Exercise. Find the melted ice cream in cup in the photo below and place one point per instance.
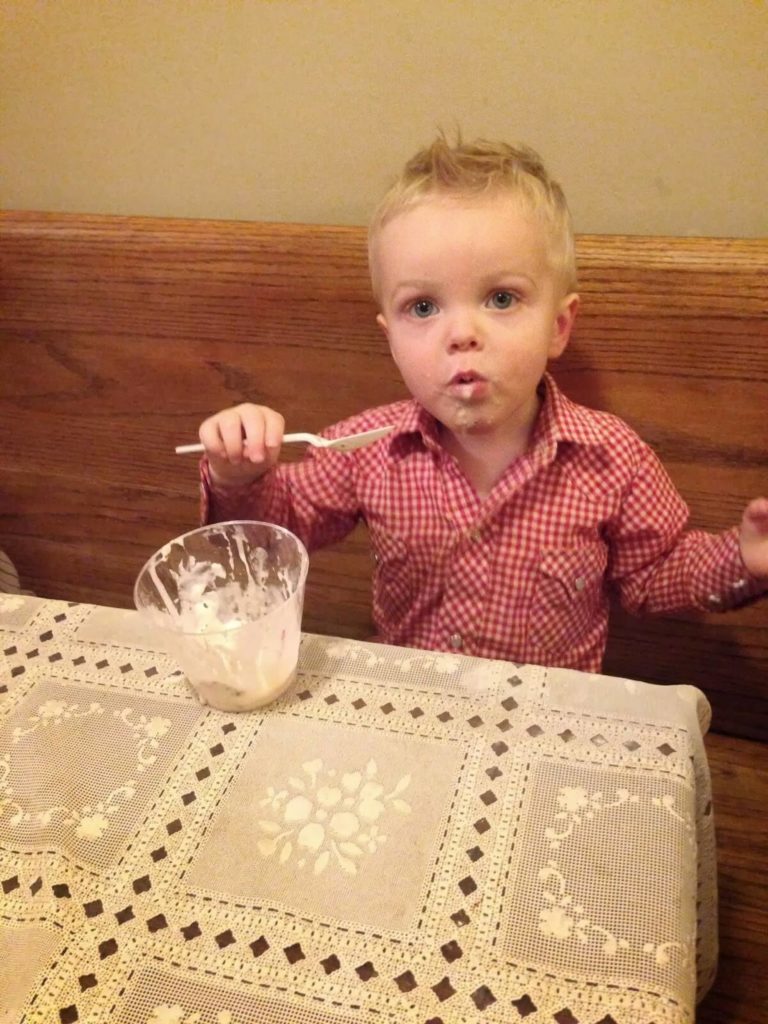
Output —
(227, 601)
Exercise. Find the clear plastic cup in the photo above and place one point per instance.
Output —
(227, 601)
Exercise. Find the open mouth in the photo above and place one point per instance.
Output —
(468, 386)
(466, 377)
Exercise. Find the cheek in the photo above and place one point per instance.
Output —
(416, 357)
(413, 366)
(405, 351)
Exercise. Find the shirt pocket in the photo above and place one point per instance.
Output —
(568, 595)
(393, 574)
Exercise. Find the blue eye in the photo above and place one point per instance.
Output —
(423, 308)
(502, 300)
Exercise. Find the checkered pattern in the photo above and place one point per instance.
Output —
(525, 575)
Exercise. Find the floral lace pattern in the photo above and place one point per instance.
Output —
(404, 835)
(442, 664)
(563, 918)
(329, 819)
(597, 839)
(89, 821)
(577, 807)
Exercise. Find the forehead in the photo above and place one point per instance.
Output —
(439, 229)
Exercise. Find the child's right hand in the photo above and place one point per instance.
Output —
(242, 443)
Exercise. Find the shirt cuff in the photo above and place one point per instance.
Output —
(727, 583)
(222, 504)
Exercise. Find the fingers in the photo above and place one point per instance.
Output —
(263, 430)
(243, 441)
(756, 514)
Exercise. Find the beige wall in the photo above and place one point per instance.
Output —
(652, 112)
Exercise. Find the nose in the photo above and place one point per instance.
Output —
(463, 334)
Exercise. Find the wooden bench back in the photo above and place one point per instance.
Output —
(119, 335)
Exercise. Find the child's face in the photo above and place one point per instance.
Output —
(472, 309)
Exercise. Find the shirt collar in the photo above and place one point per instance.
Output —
(416, 428)
(560, 419)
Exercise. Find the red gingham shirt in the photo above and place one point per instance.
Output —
(524, 575)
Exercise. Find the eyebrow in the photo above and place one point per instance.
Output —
(422, 284)
(414, 284)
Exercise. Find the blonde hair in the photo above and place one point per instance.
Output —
(481, 168)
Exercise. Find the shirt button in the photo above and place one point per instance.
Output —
(740, 584)
(579, 583)
(475, 534)
(456, 641)
(714, 600)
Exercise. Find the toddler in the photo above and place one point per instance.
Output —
(501, 514)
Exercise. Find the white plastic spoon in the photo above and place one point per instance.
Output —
(339, 444)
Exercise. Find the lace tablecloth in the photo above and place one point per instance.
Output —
(404, 837)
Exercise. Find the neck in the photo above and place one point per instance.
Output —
(484, 458)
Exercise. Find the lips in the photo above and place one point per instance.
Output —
(466, 377)
(468, 386)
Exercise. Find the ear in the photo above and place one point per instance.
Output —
(563, 325)
(381, 320)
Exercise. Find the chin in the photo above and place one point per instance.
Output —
(466, 420)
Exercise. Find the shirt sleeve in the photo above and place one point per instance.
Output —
(658, 566)
(315, 499)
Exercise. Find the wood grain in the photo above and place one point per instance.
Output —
(118, 335)
(739, 771)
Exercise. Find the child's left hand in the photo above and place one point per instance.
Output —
(753, 537)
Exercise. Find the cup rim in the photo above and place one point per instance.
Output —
(229, 522)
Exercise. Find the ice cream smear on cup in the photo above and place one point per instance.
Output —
(232, 620)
